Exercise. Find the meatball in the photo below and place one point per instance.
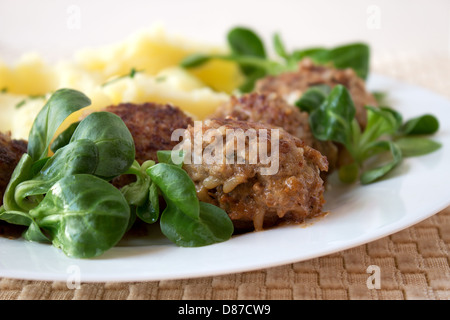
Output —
(10, 153)
(274, 110)
(292, 85)
(253, 197)
(151, 126)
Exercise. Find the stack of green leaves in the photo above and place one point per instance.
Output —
(186, 221)
(67, 198)
(332, 118)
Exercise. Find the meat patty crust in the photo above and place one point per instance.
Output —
(10, 153)
(151, 126)
(273, 110)
(252, 199)
(291, 85)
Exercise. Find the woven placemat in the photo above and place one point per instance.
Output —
(410, 264)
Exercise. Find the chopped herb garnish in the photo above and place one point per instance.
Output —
(131, 75)
(31, 97)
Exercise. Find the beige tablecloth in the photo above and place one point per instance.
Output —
(414, 263)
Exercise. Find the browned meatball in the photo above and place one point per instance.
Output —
(252, 197)
(292, 85)
(151, 126)
(10, 153)
(274, 110)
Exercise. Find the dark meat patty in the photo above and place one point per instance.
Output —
(151, 126)
(10, 153)
(252, 198)
(292, 85)
(274, 110)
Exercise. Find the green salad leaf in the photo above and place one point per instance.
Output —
(64, 137)
(333, 120)
(177, 187)
(313, 98)
(417, 146)
(113, 139)
(61, 104)
(149, 211)
(32, 233)
(426, 124)
(245, 42)
(22, 172)
(171, 157)
(355, 56)
(78, 157)
(186, 221)
(83, 215)
(142, 194)
(136, 192)
(371, 175)
(212, 225)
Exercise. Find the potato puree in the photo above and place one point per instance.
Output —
(103, 75)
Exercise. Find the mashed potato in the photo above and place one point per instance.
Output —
(103, 74)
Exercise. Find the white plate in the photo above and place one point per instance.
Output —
(359, 214)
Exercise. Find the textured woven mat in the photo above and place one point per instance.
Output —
(413, 263)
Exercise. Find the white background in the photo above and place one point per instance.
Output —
(401, 25)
